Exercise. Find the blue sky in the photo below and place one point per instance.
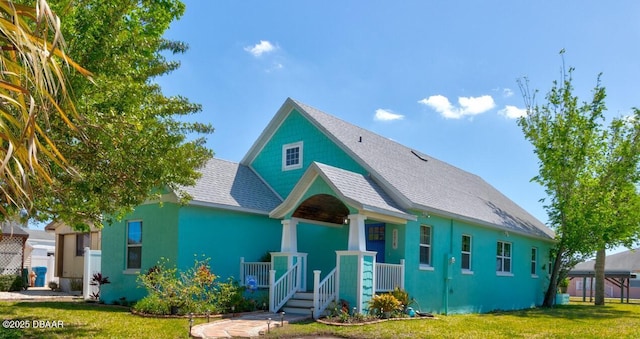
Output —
(438, 76)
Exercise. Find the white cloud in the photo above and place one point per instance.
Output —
(507, 92)
(512, 112)
(468, 106)
(387, 115)
(260, 48)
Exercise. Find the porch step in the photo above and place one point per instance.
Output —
(300, 303)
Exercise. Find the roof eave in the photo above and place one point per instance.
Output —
(227, 207)
(483, 223)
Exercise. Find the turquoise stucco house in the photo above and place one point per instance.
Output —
(345, 213)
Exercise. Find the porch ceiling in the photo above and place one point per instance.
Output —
(322, 207)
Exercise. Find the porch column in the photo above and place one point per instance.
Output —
(289, 236)
(357, 240)
(355, 278)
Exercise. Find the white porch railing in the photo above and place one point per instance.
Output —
(389, 276)
(259, 270)
(280, 291)
(324, 292)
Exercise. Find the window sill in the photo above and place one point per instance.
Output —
(504, 274)
(426, 268)
(467, 272)
(535, 276)
(131, 271)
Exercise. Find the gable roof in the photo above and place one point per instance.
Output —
(413, 179)
(355, 189)
(229, 185)
(12, 229)
(628, 261)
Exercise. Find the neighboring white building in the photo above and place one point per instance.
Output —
(40, 251)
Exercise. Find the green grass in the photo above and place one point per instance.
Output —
(577, 320)
(89, 320)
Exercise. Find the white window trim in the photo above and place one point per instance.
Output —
(510, 272)
(286, 147)
(470, 269)
(127, 269)
(429, 266)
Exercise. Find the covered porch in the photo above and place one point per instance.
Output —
(336, 227)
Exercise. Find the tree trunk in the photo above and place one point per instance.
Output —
(552, 289)
(599, 268)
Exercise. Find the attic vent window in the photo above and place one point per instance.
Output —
(292, 156)
(420, 155)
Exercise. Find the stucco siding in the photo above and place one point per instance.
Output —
(225, 236)
(159, 239)
(481, 289)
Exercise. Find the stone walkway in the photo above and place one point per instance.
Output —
(244, 326)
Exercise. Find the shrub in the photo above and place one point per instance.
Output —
(152, 304)
(98, 280)
(76, 285)
(53, 285)
(402, 296)
(383, 303)
(11, 283)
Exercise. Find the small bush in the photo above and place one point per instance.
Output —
(383, 303)
(152, 304)
(402, 296)
(53, 285)
(76, 284)
(10, 283)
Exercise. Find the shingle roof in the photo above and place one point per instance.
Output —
(360, 190)
(623, 261)
(12, 229)
(230, 185)
(418, 181)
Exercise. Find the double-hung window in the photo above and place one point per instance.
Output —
(292, 156)
(503, 258)
(425, 246)
(134, 245)
(466, 253)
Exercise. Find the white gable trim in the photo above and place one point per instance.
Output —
(307, 180)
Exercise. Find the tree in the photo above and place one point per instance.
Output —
(137, 146)
(590, 173)
(33, 94)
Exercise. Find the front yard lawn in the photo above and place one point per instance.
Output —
(88, 320)
(577, 320)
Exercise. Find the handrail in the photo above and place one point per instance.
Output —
(324, 292)
(389, 276)
(258, 270)
(284, 288)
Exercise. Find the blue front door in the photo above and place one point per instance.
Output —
(375, 240)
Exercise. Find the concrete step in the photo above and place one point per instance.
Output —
(302, 303)
(297, 310)
(303, 295)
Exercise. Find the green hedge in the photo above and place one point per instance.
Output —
(10, 283)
